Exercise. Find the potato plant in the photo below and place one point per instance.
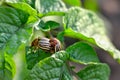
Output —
(22, 21)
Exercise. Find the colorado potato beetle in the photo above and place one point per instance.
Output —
(51, 45)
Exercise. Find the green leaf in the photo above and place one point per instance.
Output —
(49, 68)
(31, 3)
(60, 37)
(87, 26)
(20, 62)
(73, 2)
(2, 60)
(66, 73)
(10, 68)
(91, 5)
(27, 8)
(42, 26)
(14, 1)
(52, 24)
(50, 5)
(46, 26)
(34, 57)
(13, 30)
(53, 13)
(1, 2)
(7, 67)
(95, 72)
(83, 53)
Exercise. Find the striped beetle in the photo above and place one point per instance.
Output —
(51, 45)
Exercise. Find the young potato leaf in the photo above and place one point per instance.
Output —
(49, 68)
(47, 26)
(73, 2)
(34, 57)
(52, 24)
(83, 53)
(87, 26)
(7, 67)
(13, 30)
(99, 71)
(27, 8)
(49, 6)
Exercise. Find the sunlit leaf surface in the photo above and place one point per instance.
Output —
(87, 26)
(50, 5)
